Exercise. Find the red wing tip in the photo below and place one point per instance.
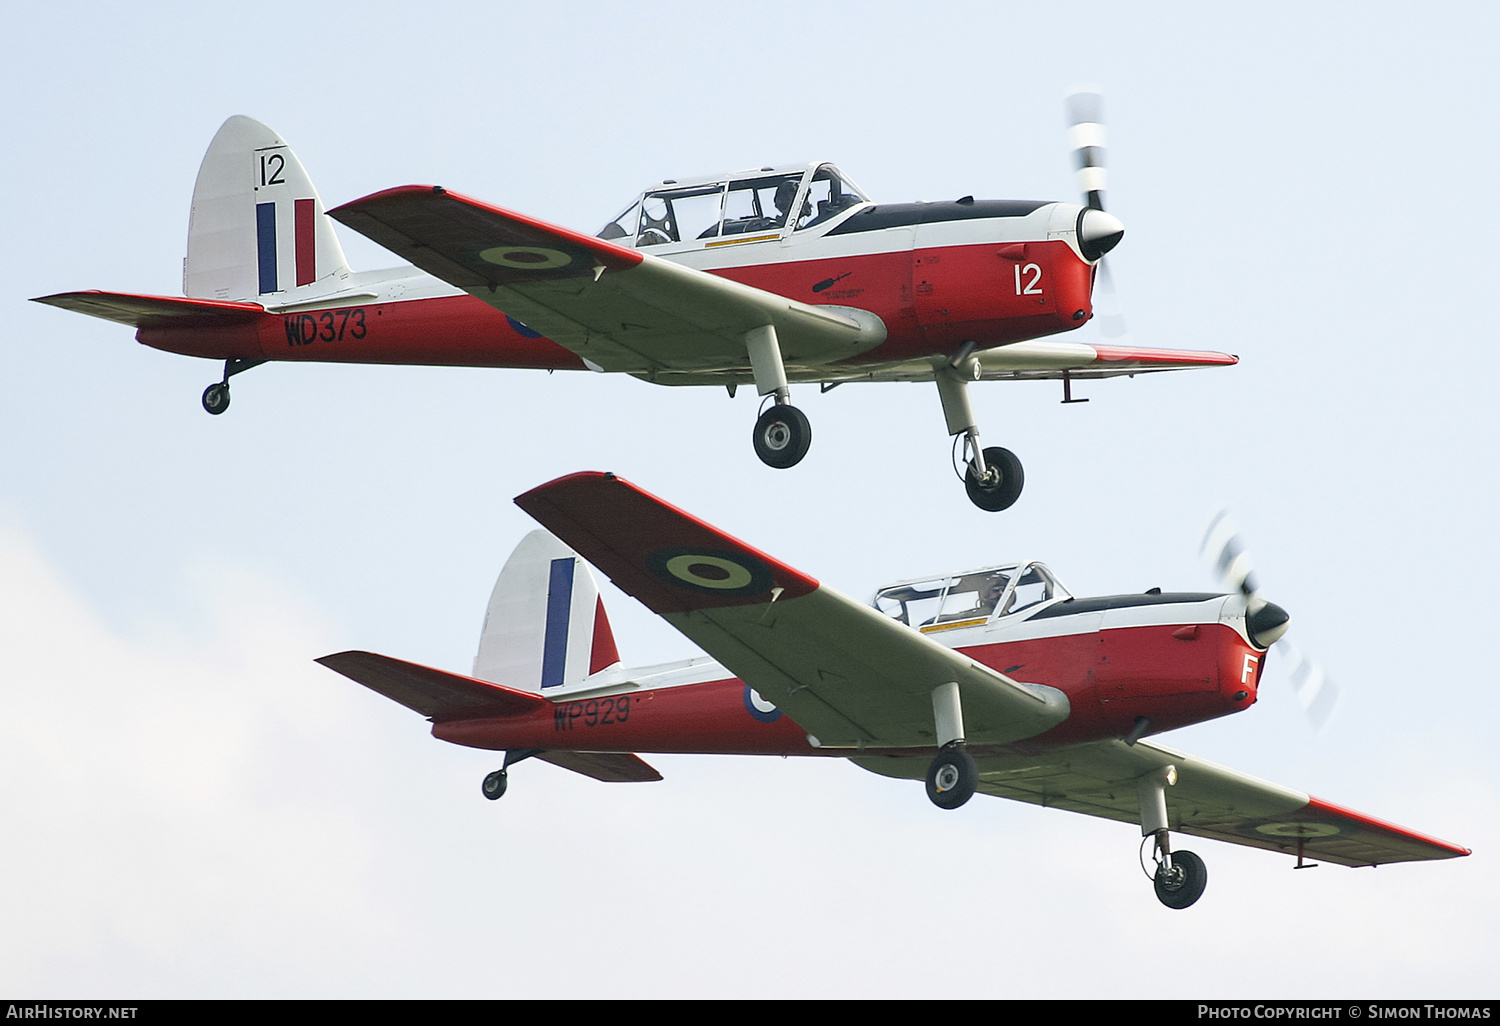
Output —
(578, 476)
(385, 194)
(1195, 356)
(1453, 850)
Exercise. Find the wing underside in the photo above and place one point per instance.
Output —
(1208, 800)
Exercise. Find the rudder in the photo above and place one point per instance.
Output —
(545, 626)
(257, 230)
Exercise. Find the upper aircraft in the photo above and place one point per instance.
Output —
(763, 277)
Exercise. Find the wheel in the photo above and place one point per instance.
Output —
(216, 398)
(494, 784)
(1003, 483)
(1184, 883)
(782, 436)
(951, 778)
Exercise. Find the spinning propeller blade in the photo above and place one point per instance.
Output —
(1098, 232)
(1265, 621)
(1086, 134)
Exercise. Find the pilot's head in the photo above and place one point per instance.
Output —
(786, 194)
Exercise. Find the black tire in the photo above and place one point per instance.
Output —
(216, 398)
(951, 778)
(782, 436)
(1185, 884)
(1005, 485)
(494, 784)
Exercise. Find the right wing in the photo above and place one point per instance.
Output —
(617, 308)
(849, 675)
(1208, 800)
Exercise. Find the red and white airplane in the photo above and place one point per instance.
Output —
(765, 277)
(994, 680)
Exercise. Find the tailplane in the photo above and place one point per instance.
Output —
(545, 627)
(258, 232)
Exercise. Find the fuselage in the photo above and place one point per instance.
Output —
(936, 274)
(1172, 659)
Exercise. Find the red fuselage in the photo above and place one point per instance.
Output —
(1172, 674)
(931, 300)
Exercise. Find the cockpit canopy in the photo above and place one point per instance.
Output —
(969, 599)
(759, 204)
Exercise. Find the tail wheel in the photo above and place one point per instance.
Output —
(494, 784)
(216, 398)
(1002, 482)
(782, 436)
(1183, 884)
(952, 778)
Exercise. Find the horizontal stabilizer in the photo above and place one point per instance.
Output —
(154, 311)
(610, 767)
(436, 694)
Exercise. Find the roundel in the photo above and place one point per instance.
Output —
(525, 258)
(713, 571)
(759, 707)
(1297, 829)
(521, 329)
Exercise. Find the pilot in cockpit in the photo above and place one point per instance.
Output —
(990, 597)
(786, 195)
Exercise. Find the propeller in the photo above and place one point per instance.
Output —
(1098, 231)
(1265, 621)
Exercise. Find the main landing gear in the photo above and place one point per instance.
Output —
(953, 775)
(1180, 876)
(495, 783)
(782, 433)
(992, 477)
(216, 396)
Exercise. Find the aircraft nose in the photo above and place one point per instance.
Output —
(1098, 232)
(1267, 624)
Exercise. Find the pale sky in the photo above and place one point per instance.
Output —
(194, 808)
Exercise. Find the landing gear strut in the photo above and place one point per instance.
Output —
(216, 396)
(782, 433)
(992, 477)
(953, 776)
(1180, 876)
(495, 783)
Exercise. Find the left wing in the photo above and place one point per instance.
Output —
(849, 675)
(617, 308)
(1208, 800)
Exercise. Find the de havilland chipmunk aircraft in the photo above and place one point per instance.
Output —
(995, 680)
(765, 277)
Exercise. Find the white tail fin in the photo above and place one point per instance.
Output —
(258, 231)
(545, 626)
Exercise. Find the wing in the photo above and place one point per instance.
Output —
(1020, 361)
(1208, 800)
(847, 674)
(619, 309)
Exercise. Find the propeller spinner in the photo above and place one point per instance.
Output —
(1265, 621)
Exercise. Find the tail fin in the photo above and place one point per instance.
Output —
(545, 626)
(258, 231)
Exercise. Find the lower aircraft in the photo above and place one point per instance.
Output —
(995, 680)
